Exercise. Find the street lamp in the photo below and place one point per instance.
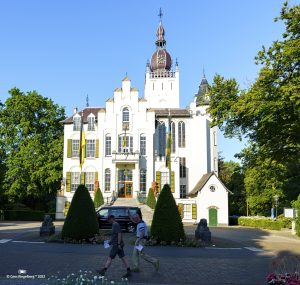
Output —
(276, 198)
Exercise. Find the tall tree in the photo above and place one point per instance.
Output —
(31, 136)
(268, 115)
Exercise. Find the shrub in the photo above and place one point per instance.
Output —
(98, 199)
(166, 224)
(81, 221)
(23, 215)
(151, 201)
(233, 220)
(262, 223)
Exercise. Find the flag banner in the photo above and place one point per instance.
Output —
(169, 143)
(82, 145)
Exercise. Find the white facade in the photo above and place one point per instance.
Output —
(125, 142)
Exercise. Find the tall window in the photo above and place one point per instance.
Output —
(90, 148)
(75, 148)
(182, 191)
(90, 180)
(107, 180)
(164, 179)
(142, 145)
(182, 167)
(91, 123)
(108, 145)
(187, 211)
(143, 176)
(161, 139)
(181, 134)
(125, 144)
(76, 123)
(125, 115)
(173, 130)
(75, 180)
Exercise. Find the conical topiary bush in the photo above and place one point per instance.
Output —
(166, 224)
(81, 221)
(98, 199)
(151, 201)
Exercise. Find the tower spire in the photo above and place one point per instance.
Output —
(160, 33)
(87, 100)
(160, 14)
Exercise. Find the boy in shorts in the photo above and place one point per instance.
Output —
(117, 248)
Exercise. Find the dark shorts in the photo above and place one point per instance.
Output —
(115, 250)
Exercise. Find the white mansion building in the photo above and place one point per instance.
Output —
(125, 145)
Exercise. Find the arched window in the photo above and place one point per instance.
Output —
(125, 143)
(143, 176)
(173, 131)
(181, 134)
(107, 145)
(91, 123)
(161, 139)
(125, 115)
(107, 180)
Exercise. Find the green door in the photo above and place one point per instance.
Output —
(213, 217)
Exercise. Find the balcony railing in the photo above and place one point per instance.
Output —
(125, 156)
(163, 73)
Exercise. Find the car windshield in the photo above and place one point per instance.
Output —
(119, 212)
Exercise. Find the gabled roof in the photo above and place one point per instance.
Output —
(84, 113)
(202, 182)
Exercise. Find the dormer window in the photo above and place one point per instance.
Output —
(91, 123)
(76, 123)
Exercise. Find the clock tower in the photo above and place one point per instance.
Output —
(161, 81)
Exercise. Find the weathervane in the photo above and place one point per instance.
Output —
(87, 100)
(160, 13)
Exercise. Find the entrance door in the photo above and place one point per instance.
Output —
(213, 217)
(128, 189)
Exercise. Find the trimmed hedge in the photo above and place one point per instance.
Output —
(25, 215)
(151, 201)
(265, 223)
(98, 199)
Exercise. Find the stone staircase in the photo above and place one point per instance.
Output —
(147, 212)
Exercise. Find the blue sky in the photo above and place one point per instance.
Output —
(68, 49)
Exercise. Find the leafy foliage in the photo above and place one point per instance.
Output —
(81, 221)
(268, 116)
(151, 201)
(98, 199)
(31, 147)
(167, 224)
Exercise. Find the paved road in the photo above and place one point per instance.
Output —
(240, 256)
(178, 265)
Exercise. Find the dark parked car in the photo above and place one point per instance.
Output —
(121, 216)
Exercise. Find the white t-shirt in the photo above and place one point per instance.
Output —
(141, 226)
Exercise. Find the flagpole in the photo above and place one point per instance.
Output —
(169, 143)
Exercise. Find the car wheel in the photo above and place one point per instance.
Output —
(131, 228)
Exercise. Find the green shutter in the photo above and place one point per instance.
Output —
(69, 149)
(96, 176)
(97, 148)
(194, 211)
(68, 182)
(158, 180)
(82, 178)
(180, 209)
(172, 181)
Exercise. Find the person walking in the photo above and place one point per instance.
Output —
(117, 244)
(138, 249)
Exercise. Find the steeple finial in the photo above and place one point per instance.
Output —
(87, 100)
(204, 73)
(160, 14)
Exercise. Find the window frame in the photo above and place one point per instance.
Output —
(181, 134)
(90, 148)
(90, 181)
(143, 144)
(108, 145)
(75, 152)
(75, 176)
(107, 180)
(143, 180)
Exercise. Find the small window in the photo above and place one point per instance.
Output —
(142, 145)
(212, 188)
(75, 148)
(108, 145)
(182, 167)
(107, 180)
(90, 148)
(143, 176)
(182, 191)
(181, 134)
(125, 115)
(75, 180)
(90, 180)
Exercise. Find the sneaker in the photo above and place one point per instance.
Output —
(156, 265)
(101, 272)
(127, 274)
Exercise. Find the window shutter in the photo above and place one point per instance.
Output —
(172, 181)
(158, 180)
(96, 176)
(194, 211)
(82, 178)
(97, 148)
(69, 149)
(180, 209)
(68, 182)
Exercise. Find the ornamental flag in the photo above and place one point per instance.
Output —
(169, 143)
(82, 145)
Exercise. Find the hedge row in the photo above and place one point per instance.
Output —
(25, 215)
(265, 223)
